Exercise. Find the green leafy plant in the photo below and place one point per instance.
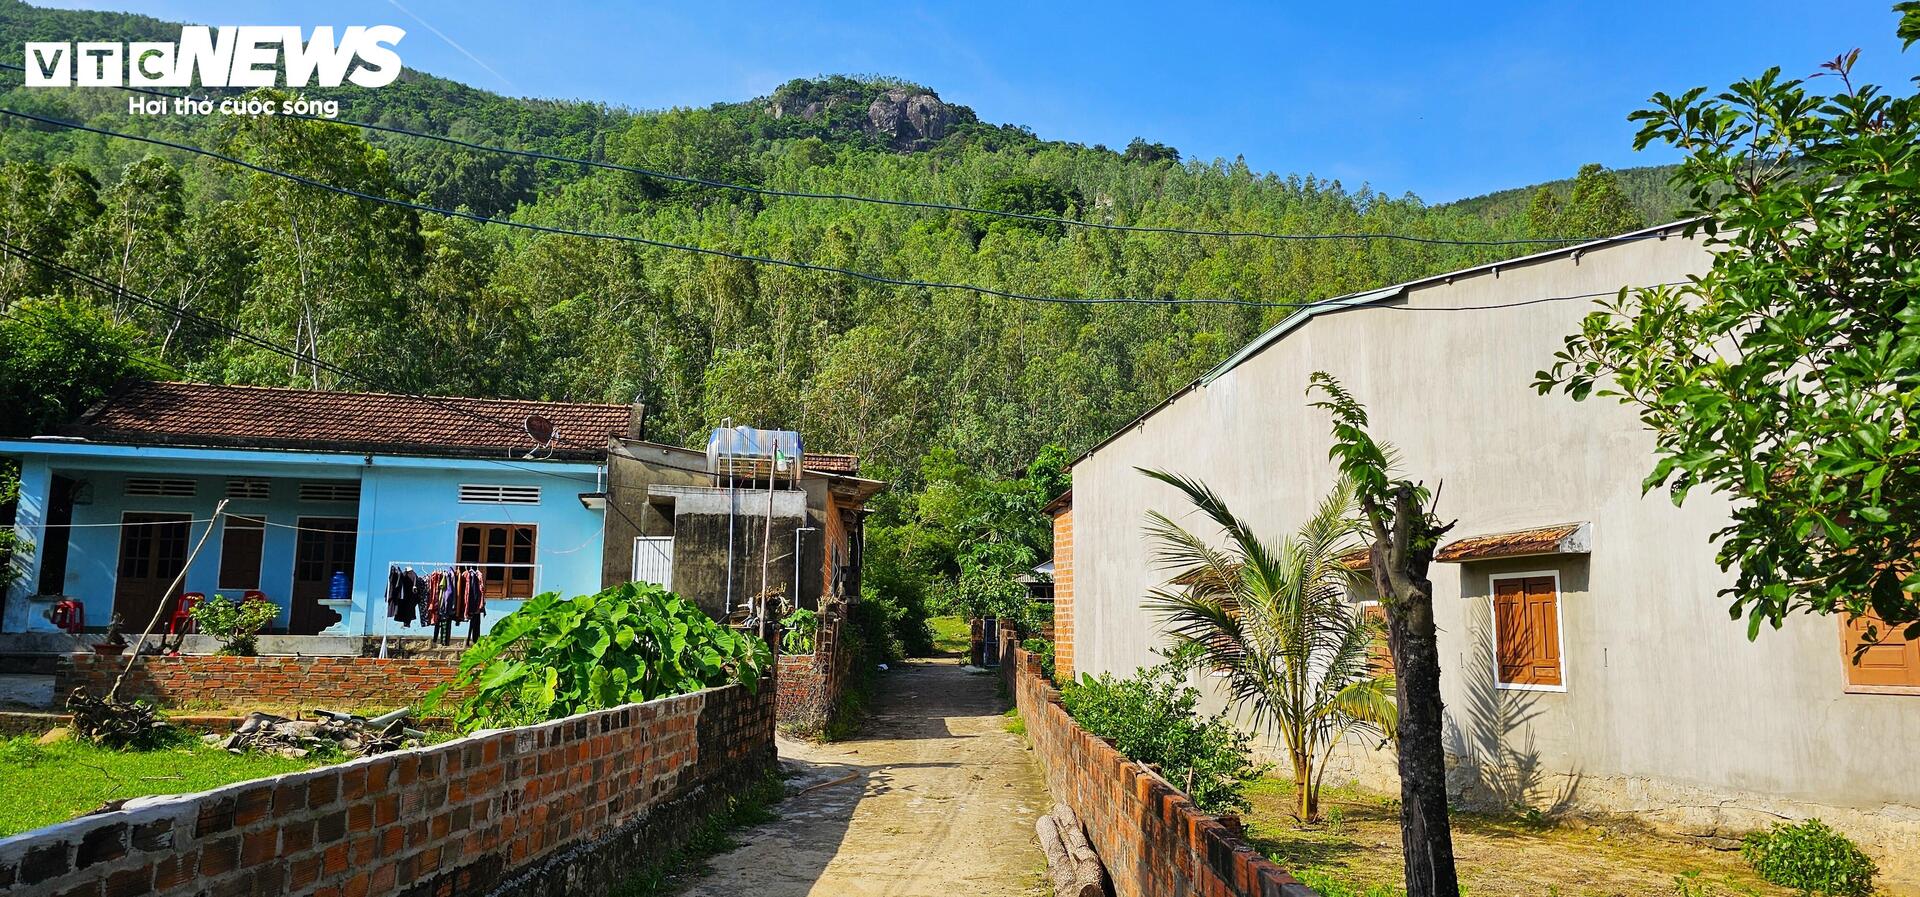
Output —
(1274, 622)
(235, 624)
(800, 631)
(555, 657)
(1810, 857)
(1042, 649)
(1150, 717)
(1785, 379)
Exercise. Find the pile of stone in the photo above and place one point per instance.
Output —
(355, 736)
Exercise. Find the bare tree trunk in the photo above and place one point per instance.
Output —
(1400, 558)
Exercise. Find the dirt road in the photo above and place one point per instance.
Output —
(938, 799)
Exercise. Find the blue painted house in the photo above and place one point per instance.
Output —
(316, 484)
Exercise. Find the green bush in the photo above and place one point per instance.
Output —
(800, 631)
(893, 630)
(1812, 858)
(236, 625)
(555, 657)
(1150, 717)
(1042, 649)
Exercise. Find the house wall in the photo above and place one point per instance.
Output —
(632, 467)
(1063, 624)
(413, 513)
(1669, 711)
(409, 510)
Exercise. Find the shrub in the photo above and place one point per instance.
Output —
(236, 625)
(1042, 649)
(800, 631)
(1150, 718)
(893, 629)
(556, 657)
(1812, 858)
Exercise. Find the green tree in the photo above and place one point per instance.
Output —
(1275, 620)
(1395, 515)
(1787, 376)
(1596, 206)
(57, 358)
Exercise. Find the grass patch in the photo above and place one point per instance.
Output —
(952, 636)
(1355, 852)
(44, 784)
(1015, 722)
(714, 836)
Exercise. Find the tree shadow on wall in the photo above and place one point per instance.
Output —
(1490, 734)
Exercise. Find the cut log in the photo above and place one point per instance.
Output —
(1071, 875)
(1086, 862)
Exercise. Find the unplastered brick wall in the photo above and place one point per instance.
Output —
(810, 685)
(1063, 628)
(275, 680)
(570, 807)
(1151, 837)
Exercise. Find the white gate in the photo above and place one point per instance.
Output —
(653, 560)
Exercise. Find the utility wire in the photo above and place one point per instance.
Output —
(874, 200)
(701, 250)
(629, 238)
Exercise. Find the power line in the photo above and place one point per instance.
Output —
(903, 203)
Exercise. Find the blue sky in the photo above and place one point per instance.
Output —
(1441, 99)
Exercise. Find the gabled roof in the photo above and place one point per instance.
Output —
(1301, 315)
(198, 414)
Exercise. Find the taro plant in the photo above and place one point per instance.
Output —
(1273, 621)
(1811, 858)
(235, 625)
(555, 657)
(800, 631)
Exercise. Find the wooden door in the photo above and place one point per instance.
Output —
(321, 547)
(153, 551)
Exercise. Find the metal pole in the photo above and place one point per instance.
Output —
(796, 561)
(727, 423)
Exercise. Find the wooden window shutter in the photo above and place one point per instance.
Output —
(1526, 615)
(1892, 662)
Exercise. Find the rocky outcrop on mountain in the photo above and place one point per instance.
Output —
(902, 118)
(909, 120)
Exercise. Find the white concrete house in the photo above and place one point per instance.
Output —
(1620, 683)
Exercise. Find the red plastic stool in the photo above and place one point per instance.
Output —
(69, 615)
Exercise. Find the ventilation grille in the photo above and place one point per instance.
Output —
(160, 487)
(335, 490)
(244, 490)
(484, 494)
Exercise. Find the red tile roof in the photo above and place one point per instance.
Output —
(842, 464)
(269, 417)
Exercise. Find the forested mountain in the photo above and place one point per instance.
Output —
(424, 302)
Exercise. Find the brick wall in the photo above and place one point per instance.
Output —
(334, 682)
(1150, 836)
(810, 685)
(1063, 593)
(568, 807)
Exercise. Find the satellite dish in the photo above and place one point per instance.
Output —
(539, 429)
